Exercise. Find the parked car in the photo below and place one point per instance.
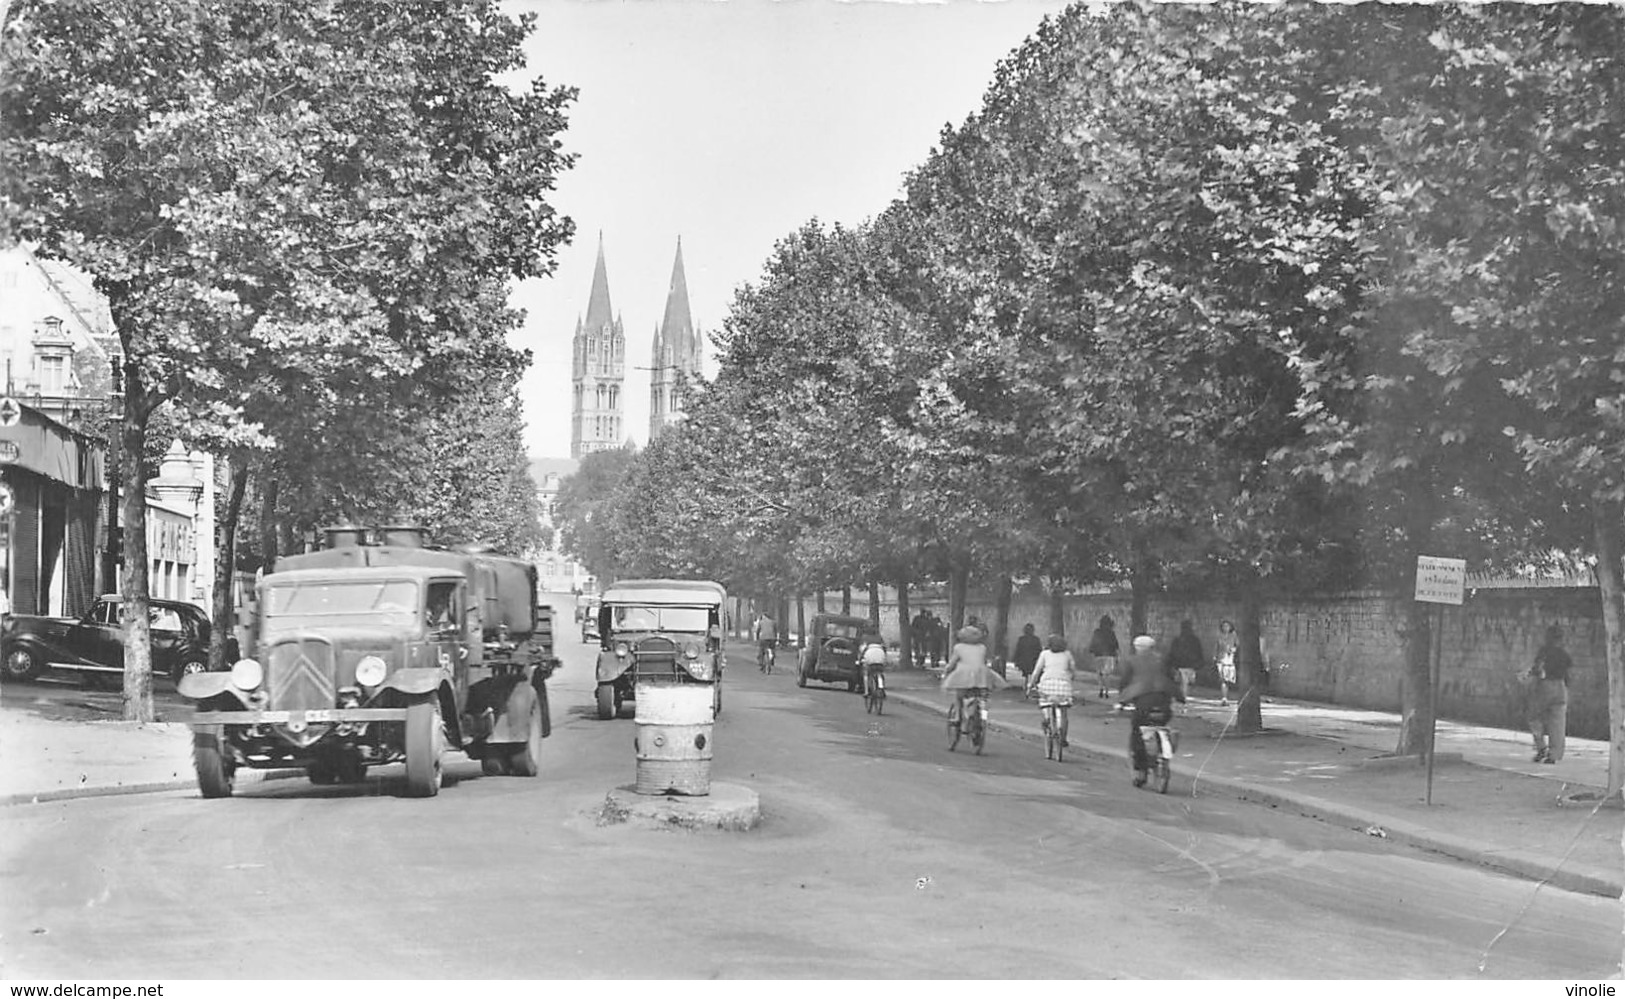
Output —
(93, 645)
(831, 654)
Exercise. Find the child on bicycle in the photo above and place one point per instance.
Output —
(872, 657)
(1052, 678)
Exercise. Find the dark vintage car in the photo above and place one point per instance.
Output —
(93, 645)
(831, 655)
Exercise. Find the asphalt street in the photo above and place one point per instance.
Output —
(880, 854)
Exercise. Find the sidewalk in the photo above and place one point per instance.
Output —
(1492, 805)
(44, 758)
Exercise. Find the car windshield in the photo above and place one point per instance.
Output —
(338, 599)
(696, 619)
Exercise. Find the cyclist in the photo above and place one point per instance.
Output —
(1052, 678)
(872, 656)
(1151, 689)
(766, 635)
(967, 669)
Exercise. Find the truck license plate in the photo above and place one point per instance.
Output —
(318, 715)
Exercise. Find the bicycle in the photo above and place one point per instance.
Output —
(1054, 730)
(874, 691)
(974, 722)
(1160, 743)
(765, 655)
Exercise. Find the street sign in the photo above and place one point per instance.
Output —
(11, 413)
(1441, 580)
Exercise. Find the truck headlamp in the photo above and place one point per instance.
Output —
(691, 651)
(246, 674)
(369, 672)
(622, 649)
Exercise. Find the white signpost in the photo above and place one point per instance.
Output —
(1438, 581)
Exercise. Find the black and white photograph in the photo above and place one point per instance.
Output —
(803, 491)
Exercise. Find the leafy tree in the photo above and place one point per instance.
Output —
(273, 198)
(582, 506)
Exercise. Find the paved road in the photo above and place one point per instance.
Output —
(880, 855)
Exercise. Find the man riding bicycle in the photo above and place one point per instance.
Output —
(766, 635)
(1151, 688)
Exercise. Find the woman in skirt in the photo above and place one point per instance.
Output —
(1052, 678)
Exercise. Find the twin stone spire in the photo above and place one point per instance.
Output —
(598, 374)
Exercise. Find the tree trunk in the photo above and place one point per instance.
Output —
(225, 568)
(1057, 607)
(1249, 663)
(958, 586)
(1001, 618)
(1140, 583)
(1416, 719)
(135, 584)
(874, 602)
(1607, 517)
(269, 536)
(783, 615)
(846, 600)
(905, 641)
(821, 600)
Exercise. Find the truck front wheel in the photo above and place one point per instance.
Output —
(606, 701)
(425, 743)
(214, 770)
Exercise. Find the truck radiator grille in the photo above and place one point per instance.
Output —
(655, 659)
(299, 677)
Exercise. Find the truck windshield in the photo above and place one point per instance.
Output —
(696, 619)
(330, 599)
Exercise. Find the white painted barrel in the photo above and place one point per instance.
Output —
(673, 740)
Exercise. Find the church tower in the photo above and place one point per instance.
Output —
(676, 353)
(599, 372)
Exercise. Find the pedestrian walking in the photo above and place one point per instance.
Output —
(1549, 697)
(1225, 650)
(1028, 648)
(1103, 646)
(1184, 657)
(939, 640)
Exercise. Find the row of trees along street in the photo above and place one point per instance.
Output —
(304, 219)
(1227, 297)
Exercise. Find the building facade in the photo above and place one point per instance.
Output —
(556, 571)
(598, 372)
(57, 342)
(676, 355)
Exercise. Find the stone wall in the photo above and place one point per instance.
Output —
(1347, 649)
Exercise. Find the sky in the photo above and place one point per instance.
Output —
(730, 123)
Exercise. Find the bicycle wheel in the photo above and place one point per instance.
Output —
(1162, 776)
(1050, 741)
(978, 732)
(1059, 728)
(953, 730)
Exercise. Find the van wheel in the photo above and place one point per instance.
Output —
(21, 664)
(492, 764)
(606, 701)
(425, 742)
(214, 770)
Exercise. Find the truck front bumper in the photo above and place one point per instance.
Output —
(308, 717)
